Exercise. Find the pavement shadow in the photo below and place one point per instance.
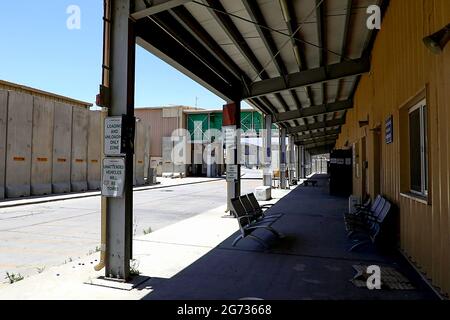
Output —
(311, 261)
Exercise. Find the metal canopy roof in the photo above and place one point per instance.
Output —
(297, 60)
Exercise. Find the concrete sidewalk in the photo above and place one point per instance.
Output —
(38, 236)
(159, 255)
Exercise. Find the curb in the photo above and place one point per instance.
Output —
(97, 193)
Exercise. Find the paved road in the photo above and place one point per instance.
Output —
(38, 236)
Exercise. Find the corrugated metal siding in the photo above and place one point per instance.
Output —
(159, 127)
(402, 67)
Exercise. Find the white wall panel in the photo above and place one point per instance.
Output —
(62, 147)
(80, 123)
(18, 154)
(3, 127)
(94, 149)
(42, 145)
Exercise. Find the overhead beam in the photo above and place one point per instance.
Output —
(317, 140)
(265, 106)
(142, 8)
(314, 111)
(256, 15)
(310, 77)
(270, 106)
(217, 11)
(297, 46)
(256, 103)
(321, 43)
(156, 40)
(185, 18)
(184, 37)
(320, 150)
(317, 135)
(330, 143)
(318, 125)
(348, 18)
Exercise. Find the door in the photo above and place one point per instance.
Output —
(377, 156)
(364, 169)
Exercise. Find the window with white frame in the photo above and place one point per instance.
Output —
(418, 158)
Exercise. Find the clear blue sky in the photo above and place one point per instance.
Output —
(38, 50)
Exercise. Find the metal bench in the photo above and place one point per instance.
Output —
(364, 213)
(370, 229)
(250, 222)
(259, 214)
(310, 182)
(252, 206)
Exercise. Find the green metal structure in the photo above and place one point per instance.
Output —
(199, 123)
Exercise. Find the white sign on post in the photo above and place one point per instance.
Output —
(113, 178)
(113, 136)
(232, 172)
(230, 137)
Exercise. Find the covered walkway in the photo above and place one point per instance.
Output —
(194, 259)
(311, 262)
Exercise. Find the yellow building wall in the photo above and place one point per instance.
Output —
(401, 68)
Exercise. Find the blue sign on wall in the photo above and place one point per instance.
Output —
(389, 130)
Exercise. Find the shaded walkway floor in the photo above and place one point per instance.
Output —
(311, 262)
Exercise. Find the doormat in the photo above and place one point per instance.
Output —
(391, 279)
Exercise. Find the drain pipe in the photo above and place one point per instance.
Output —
(105, 83)
(101, 264)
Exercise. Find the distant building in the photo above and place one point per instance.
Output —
(163, 121)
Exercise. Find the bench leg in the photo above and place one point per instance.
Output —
(259, 240)
(276, 233)
(238, 238)
(359, 244)
(350, 234)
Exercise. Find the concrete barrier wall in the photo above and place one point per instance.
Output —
(94, 150)
(52, 147)
(139, 154)
(18, 153)
(62, 147)
(42, 145)
(3, 126)
(80, 124)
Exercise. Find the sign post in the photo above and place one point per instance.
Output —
(267, 145)
(230, 127)
(113, 136)
(283, 158)
(119, 77)
(232, 172)
(113, 177)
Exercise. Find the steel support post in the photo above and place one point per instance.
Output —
(234, 155)
(291, 158)
(122, 76)
(303, 162)
(298, 164)
(283, 184)
(267, 150)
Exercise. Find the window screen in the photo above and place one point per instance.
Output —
(415, 151)
(418, 153)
